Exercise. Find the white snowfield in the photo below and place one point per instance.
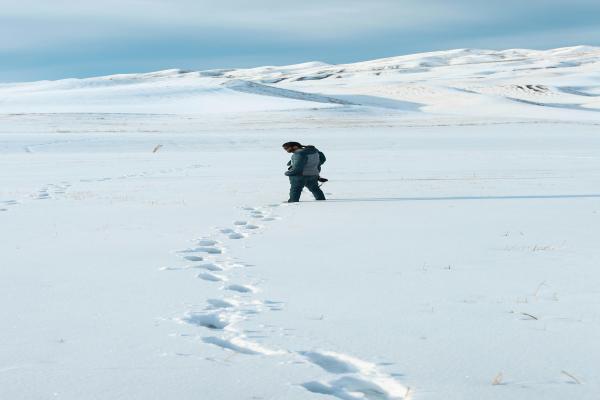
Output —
(145, 252)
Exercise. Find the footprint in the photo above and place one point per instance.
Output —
(236, 235)
(250, 226)
(274, 305)
(207, 276)
(210, 250)
(193, 258)
(337, 363)
(240, 345)
(213, 320)
(242, 288)
(204, 249)
(227, 231)
(210, 267)
(222, 303)
(240, 222)
(351, 387)
(206, 242)
(359, 378)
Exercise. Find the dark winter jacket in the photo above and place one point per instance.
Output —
(306, 162)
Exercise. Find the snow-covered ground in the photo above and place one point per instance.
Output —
(146, 254)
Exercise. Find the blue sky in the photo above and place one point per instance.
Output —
(51, 39)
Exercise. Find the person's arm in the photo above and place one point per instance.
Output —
(298, 161)
(322, 159)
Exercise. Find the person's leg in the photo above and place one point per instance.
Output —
(296, 186)
(312, 183)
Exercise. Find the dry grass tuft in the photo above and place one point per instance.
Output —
(540, 286)
(157, 147)
(530, 316)
(497, 379)
(574, 378)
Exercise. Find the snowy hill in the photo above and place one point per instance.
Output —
(456, 82)
(147, 251)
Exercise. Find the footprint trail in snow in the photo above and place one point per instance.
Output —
(5, 204)
(48, 191)
(52, 190)
(346, 377)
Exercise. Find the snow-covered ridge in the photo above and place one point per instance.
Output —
(303, 71)
(460, 81)
(421, 61)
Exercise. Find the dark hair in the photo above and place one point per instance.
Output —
(291, 144)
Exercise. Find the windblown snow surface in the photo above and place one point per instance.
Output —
(145, 252)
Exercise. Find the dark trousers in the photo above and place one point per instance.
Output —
(298, 182)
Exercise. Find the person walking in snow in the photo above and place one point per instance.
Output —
(303, 170)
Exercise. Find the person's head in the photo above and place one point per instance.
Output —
(291, 147)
